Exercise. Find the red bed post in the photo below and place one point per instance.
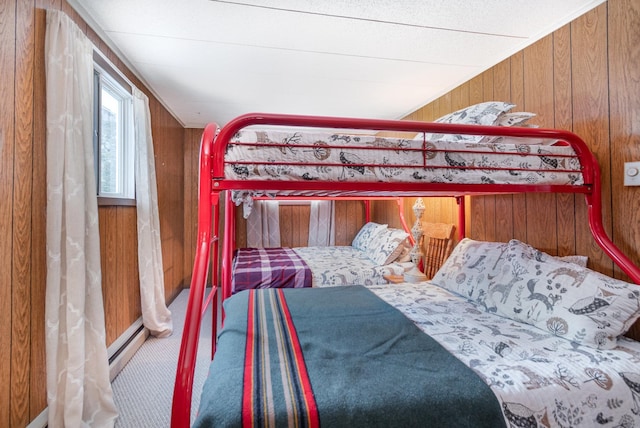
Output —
(462, 225)
(367, 211)
(183, 388)
(594, 210)
(215, 287)
(228, 246)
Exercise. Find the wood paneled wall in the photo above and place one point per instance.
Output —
(582, 78)
(585, 77)
(294, 224)
(23, 211)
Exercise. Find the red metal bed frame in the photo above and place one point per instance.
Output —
(212, 182)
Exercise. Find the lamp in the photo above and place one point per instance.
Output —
(415, 275)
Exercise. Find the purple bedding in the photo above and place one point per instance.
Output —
(269, 268)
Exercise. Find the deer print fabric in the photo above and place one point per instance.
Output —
(519, 282)
(540, 379)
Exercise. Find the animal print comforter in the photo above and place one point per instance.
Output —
(540, 379)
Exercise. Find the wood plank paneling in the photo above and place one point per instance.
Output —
(563, 116)
(294, 225)
(538, 73)
(7, 123)
(192, 139)
(128, 280)
(591, 119)
(108, 263)
(624, 86)
(503, 203)
(37, 384)
(23, 212)
(517, 97)
(23, 178)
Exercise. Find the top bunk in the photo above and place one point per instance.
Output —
(480, 150)
(327, 156)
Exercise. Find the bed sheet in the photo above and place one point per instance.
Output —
(344, 265)
(538, 377)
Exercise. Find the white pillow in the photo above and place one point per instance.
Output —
(366, 234)
(570, 301)
(386, 246)
(579, 260)
(470, 268)
(486, 113)
(517, 118)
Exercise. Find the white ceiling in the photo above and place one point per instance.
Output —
(210, 60)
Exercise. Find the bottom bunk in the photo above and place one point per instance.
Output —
(376, 251)
(504, 335)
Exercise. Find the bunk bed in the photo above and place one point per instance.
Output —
(358, 356)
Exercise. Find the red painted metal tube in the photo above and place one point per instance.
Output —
(183, 388)
(462, 220)
(594, 211)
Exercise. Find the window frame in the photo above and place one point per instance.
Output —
(108, 77)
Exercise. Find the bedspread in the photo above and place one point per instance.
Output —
(540, 379)
(269, 268)
(344, 265)
(365, 365)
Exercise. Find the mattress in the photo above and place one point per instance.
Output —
(294, 155)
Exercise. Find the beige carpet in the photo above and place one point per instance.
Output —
(143, 390)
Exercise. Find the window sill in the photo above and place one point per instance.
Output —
(103, 202)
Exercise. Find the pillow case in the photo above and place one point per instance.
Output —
(578, 260)
(386, 245)
(514, 118)
(486, 113)
(570, 301)
(365, 235)
(470, 268)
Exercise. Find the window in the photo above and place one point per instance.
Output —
(113, 134)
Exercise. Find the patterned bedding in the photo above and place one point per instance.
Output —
(344, 265)
(293, 155)
(540, 379)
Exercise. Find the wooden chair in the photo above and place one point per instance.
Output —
(438, 244)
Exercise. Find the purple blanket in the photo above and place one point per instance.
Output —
(269, 268)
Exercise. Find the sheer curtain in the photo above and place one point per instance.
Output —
(322, 224)
(155, 314)
(78, 388)
(263, 224)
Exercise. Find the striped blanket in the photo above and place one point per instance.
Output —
(269, 268)
(335, 357)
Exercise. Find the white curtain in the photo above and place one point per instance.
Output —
(263, 224)
(78, 390)
(322, 223)
(155, 314)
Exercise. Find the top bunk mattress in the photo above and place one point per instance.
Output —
(428, 158)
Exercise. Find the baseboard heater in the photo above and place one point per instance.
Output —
(119, 353)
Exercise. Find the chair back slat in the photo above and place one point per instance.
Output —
(438, 243)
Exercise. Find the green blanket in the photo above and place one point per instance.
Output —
(365, 365)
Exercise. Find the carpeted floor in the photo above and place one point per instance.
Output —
(143, 390)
